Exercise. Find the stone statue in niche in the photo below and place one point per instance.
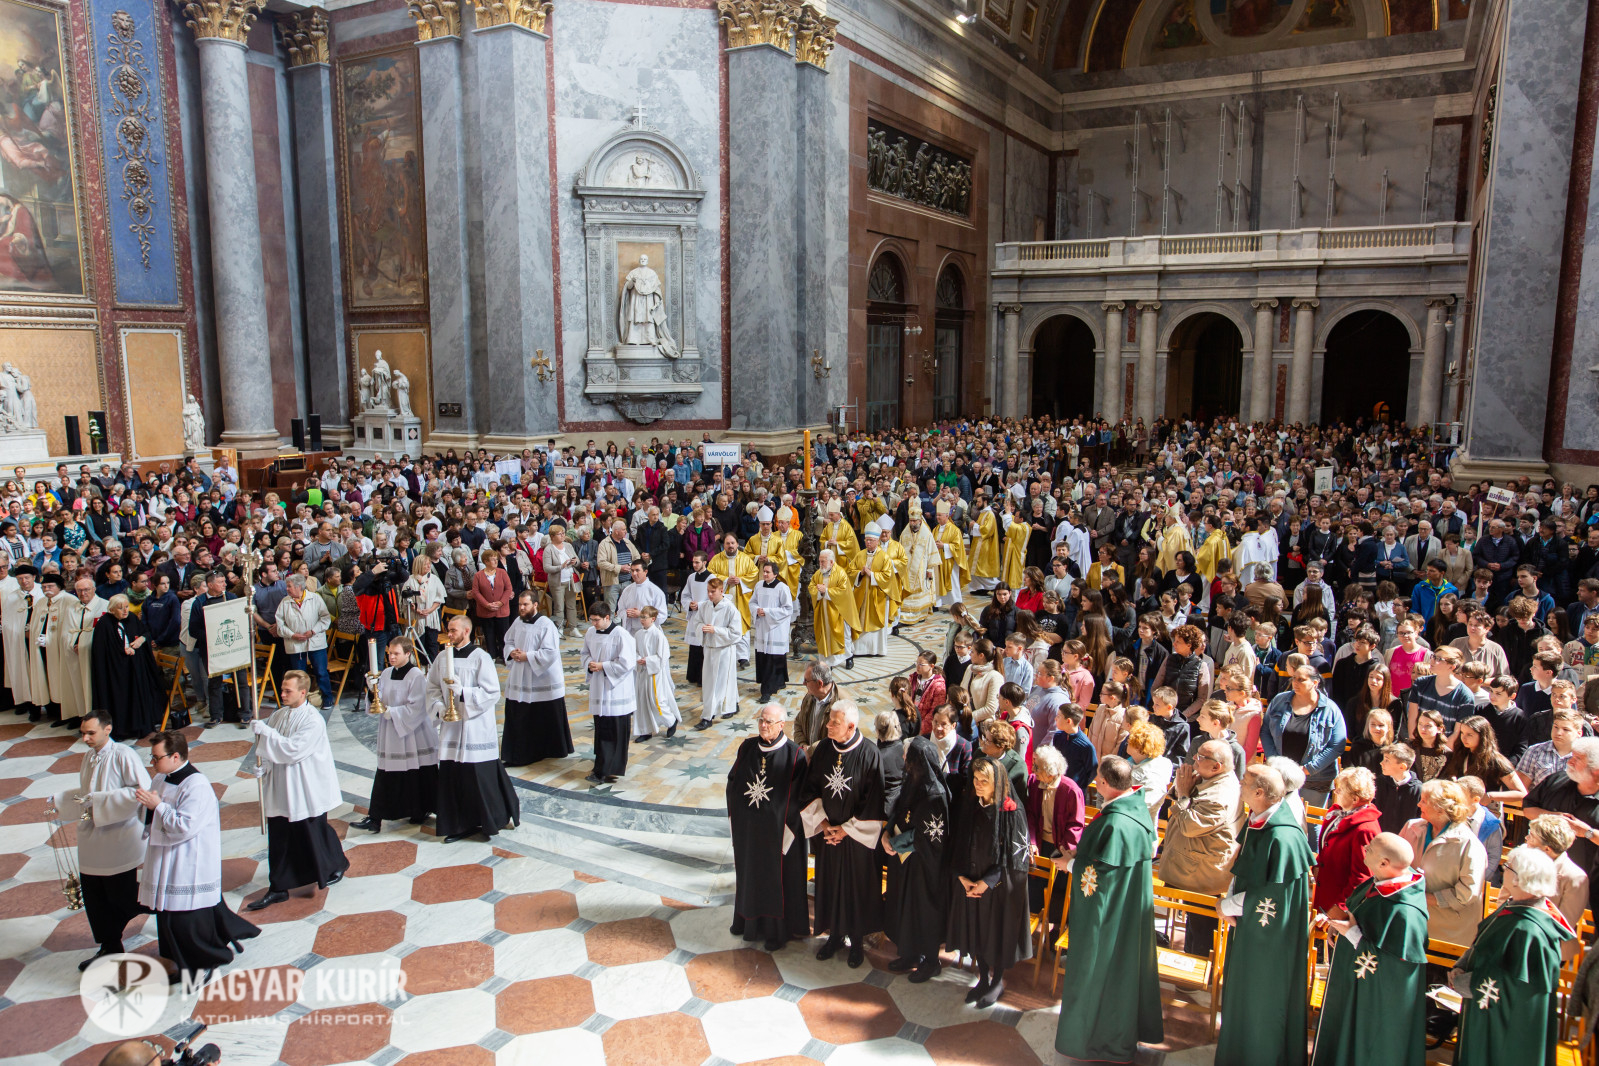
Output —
(641, 319)
(381, 375)
(402, 394)
(364, 391)
(18, 410)
(193, 425)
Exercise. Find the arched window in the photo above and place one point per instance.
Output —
(885, 323)
(949, 342)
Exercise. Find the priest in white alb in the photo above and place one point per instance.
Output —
(182, 877)
(640, 592)
(920, 583)
(475, 793)
(299, 787)
(77, 632)
(25, 670)
(110, 832)
(610, 658)
(722, 630)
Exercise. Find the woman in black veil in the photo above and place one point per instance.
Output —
(918, 885)
(988, 861)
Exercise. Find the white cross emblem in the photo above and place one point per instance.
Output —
(1267, 909)
(1487, 993)
(934, 828)
(836, 782)
(1090, 881)
(1365, 965)
(758, 791)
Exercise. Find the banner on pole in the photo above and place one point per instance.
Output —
(227, 637)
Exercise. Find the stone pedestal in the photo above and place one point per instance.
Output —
(21, 449)
(642, 383)
(385, 435)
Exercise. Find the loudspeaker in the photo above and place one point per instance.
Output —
(297, 431)
(74, 444)
(315, 425)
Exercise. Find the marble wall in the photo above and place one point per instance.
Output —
(607, 59)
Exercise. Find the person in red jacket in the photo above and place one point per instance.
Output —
(927, 689)
(1351, 824)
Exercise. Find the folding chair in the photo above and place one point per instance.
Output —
(1062, 942)
(1038, 921)
(176, 664)
(1190, 968)
(263, 675)
(346, 664)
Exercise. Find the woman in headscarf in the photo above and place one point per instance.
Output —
(988, 860)
(918, 886)
(126, 680)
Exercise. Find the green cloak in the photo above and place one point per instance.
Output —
(1514, 969)
(1263, 1003)
(1375, 1008)
(1111, 995)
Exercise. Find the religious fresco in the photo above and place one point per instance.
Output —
(40, 250)
(1326, 15)
(381, 149)
(1180, 28)
(1248, 18)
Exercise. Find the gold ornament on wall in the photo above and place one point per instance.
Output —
(813, 38)
(753, 22)
(228, 19)
(131, 113)
(436, 18)
(306, 35)
(530, 14)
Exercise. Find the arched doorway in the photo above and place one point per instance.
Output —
(1366, 374)
(1063, 368)
(949, 343)
(885, 325)
(1204, 367)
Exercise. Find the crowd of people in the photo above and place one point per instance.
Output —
(1220, 628)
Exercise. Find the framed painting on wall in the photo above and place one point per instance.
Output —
(40, 193)
(380, 157)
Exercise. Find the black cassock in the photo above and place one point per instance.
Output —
(990, 844)
(845, 786)
(129, 686)
(918, 887)
(763, 805)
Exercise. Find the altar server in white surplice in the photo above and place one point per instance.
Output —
(610, 660)
(475, 793)
(406, 784)
(772, 608)
(182, 876)
(689, 600)
(110, 832)
(721, 627)
(25, 672)
(640, 593)
(656, 704)
(299, 788)
(535, 688)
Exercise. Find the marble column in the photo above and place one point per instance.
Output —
(1260, 377)
(438, 30)
(1148, 325)
(1010, 361)
(1299, 369)
(311, 84)
(1433, 353)
(239, 291)
(514, 150)
(1110, 378)
(813, 43)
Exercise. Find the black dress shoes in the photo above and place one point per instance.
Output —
(266, 901)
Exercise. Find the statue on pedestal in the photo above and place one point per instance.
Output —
(364, 390)
(18, 410)
(381, 375)
(402, 394)
(193, 425)
(642, 315)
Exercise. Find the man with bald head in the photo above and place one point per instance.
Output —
(1375, 1009)
(843, 812)
(1269, 909)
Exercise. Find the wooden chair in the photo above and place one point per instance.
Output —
(1038, 921)
(1190, 968)
(1062, 942)
(176, 664)
(1568, 977)
(350, 661)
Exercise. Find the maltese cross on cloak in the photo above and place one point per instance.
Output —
(836, 782)
(758, 791)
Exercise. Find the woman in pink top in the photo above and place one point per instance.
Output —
(491, 601)
(1075, 677)
(1405, 658)
(1246, 712)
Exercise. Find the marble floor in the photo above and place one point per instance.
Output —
(596, 932)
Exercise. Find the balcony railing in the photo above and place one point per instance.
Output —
(1437, 240)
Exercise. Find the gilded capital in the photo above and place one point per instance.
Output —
(306, 34)
(813, 37)
(751, 22)
(229, 19)
(529, 14)
(436, 18)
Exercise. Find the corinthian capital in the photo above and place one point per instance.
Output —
(751, 22)
(529, 14)
(436, 18)
(813, 37)
(306, 34)
(229, 19)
